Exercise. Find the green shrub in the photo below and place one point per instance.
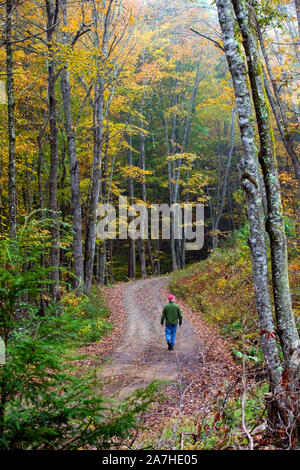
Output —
(46, 401)
(48, 404)
(88, 316)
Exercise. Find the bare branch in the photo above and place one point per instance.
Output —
(216, 43)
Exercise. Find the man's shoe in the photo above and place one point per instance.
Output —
(170, 346)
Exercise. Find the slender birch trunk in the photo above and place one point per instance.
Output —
(142, 254)
(144, 197)
(225, 181)
(103, 246)
(188, 122)
(171, 198)
(90, 242)
(132, 254)
(174, 147)
(180, 244)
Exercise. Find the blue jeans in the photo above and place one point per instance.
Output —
(171, 331)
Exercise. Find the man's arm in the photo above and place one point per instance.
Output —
(179, 316)
(163, 316)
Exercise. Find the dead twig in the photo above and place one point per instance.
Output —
(216, 43)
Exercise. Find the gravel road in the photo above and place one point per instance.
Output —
(142, 354)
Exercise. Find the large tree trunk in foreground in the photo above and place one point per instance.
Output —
(286, 326)
(279, 413)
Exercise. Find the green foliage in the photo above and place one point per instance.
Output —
(290, 229)
(50, 405)
(46, 401)
(268, 13)
(21, 270)
(242, 235)
(87, 316)
(247, 357)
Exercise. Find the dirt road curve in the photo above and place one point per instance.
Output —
(142, 354)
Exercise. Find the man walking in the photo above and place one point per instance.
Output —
(171, 314)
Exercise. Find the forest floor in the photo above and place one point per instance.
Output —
(136, 353)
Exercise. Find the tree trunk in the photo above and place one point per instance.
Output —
(286, 326)
(102, 262)
(180, 244)
(52, 15)
(132, 254)
(98, 118)
(102, 258)
(12, 174)
(142, 254)
(95, 186)
(249, 171)
(157, 257)
(110, 266)
(171, 199)
(225, 181)
(278, 110)
(229, 197)
(74, 166)
(188, 122)
(297, 5)
(39, 170)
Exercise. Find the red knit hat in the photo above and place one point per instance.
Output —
(171, 297)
